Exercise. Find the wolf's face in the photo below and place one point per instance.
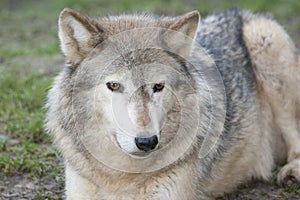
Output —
(130, 79)
(141, 103)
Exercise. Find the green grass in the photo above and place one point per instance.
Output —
(293, 188)
(22, 96)
(31, 25)
(25, 150)
(27, 157)
(21, 106)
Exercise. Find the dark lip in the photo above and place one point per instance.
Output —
(141, 154)
(113, 137)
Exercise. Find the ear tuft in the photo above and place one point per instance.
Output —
(77, 34)
(187, 23)
(182, 30)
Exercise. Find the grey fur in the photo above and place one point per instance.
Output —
(249, 141)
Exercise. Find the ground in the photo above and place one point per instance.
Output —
(30, 167)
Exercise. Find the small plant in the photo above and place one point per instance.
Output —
(27, 157)
(21, 105)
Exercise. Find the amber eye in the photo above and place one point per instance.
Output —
(113, 86)
(158, 87)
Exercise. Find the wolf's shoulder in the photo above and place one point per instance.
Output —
(220, 30)
(221, 34)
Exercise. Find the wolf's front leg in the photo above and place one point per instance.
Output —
(291, 136)
(77, 187)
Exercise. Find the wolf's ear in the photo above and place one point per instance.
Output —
(182, 32)
(186, 24)
(77, 34)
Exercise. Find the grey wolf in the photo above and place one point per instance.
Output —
(140, 94)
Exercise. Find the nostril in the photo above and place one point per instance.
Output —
(146, 144)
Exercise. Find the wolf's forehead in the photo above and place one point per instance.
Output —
(138, 75)
(120, 23)
(142, 66)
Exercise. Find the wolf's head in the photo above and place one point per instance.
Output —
(128, 82)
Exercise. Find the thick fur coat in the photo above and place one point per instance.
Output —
(253, 103)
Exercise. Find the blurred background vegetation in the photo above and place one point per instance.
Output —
(30, 58)
(31, 24)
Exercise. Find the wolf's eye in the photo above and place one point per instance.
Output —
(158, 87)
(113, 86)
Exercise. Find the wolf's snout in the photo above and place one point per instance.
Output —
(146, 144)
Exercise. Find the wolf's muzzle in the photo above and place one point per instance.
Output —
(146, 144)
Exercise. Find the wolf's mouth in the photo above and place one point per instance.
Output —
(113, 138)
(136, 154)
(140, 155)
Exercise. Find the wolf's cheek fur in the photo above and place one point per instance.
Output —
(166, 111)
(113, 108)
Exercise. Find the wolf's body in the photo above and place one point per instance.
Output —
(261, 73)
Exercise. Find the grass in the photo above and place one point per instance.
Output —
(29, 31)
(26, 157)
(25, 152)
(22, 99)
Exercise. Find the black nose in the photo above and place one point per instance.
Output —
(146, 144)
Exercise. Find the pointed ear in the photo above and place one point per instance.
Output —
(187, 23)
(182, 32)
(77, 34)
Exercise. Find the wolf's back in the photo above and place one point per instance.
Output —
(222, 36)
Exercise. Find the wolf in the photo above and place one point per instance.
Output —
(151, 107)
